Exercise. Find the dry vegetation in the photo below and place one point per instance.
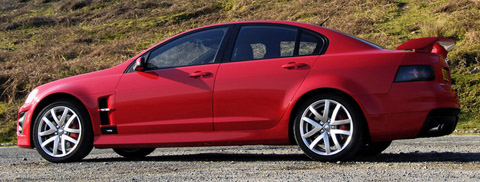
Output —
(45, 40)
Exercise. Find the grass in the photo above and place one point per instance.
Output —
(8, 129)
(45, 40)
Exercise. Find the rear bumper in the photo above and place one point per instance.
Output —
(411, 110)
(440, 122)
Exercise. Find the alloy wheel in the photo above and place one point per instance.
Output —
(59, 131)
(326, 127)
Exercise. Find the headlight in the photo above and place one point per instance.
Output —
(31, 96)
(415, 73)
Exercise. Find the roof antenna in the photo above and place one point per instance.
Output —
(333, 13)
(321, 24)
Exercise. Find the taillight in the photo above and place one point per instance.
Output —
(415, 73)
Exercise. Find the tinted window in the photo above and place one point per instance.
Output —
(264, 42)
(309, 44)
(194, 49)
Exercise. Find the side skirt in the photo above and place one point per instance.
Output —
(187, 139)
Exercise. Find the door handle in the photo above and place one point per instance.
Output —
(197, 74)
(292, 65)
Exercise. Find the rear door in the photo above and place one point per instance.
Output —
(265, 66)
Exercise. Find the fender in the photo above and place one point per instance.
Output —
(341, 84)
(87, 88)
(366, 81)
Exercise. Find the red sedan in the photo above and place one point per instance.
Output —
(243, 83)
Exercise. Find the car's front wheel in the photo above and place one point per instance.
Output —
(328, 128)
(133, 153)
(62, 132)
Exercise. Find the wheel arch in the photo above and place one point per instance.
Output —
(48, 100)
(317, 91)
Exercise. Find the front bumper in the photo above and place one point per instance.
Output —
(24, 122)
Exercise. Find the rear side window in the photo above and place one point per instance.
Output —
(264, 42)
(309, 44)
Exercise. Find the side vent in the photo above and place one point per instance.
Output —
(103, 110)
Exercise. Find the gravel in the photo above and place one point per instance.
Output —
(451, 158)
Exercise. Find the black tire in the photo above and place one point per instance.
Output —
(133, 153)
(83, 137)
(374, 148)
(349, 141)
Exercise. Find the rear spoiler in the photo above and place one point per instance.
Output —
(437, 45)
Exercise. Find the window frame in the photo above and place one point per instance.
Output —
(225, 50)
(218, 56)
(227, 56)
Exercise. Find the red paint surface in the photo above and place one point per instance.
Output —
(251, 102)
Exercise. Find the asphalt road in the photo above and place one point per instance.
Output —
(451, 158)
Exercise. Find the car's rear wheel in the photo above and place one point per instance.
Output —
(63, 132)
(374, 148)
(133, 153)
(328, 128)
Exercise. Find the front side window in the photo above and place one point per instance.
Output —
(264, 42)
(194, 49)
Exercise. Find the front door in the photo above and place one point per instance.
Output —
(175, 93)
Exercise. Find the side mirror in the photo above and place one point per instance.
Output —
(139, 64)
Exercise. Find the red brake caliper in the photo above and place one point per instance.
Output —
(344, 126)
(74, 135)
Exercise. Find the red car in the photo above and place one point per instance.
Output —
(244, 83)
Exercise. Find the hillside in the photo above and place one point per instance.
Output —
(45, 40)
